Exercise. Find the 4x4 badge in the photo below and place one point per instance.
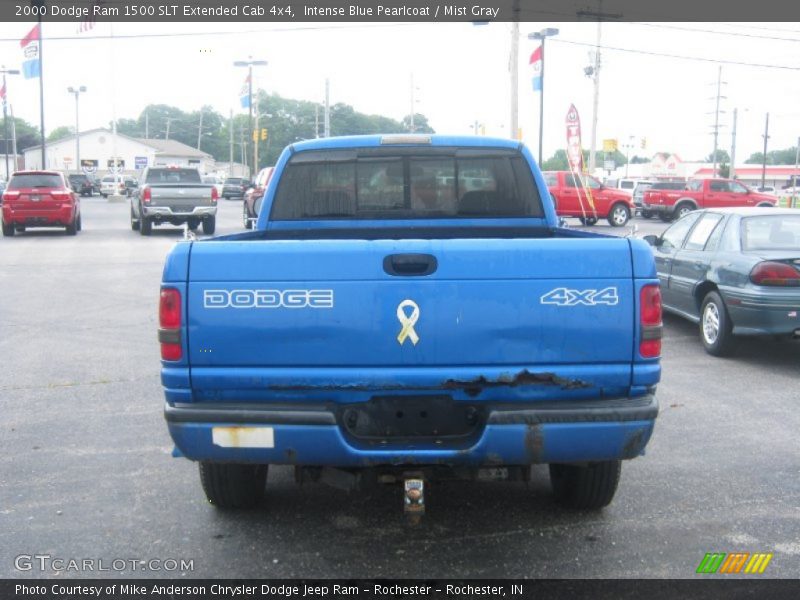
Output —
(407, 321)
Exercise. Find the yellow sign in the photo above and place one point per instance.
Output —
(610, 145)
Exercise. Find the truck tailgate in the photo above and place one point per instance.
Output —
(326, 313)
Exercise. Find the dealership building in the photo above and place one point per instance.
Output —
(100, 147)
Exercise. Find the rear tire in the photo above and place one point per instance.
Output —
(8, 230)
(666, 217)
(72, 228)
(246, 216)
(134, 222)
(79, 224)
(193, 224)
(209, 225)
(588, 221)
(145, 225)
(716, 329)
(646, 214)
(588, 488)
(619, 215)
(230, 486)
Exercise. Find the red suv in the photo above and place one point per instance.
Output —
(40, 199)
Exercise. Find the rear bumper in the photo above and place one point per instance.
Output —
(28, 217)
(777, 313)
(167, 212)
(514, 434)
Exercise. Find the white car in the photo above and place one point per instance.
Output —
(112, 185)
(216, 181)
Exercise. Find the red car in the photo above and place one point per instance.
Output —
(253, 196)
(40, 199)
(572, 201)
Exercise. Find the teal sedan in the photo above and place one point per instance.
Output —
(733, 271)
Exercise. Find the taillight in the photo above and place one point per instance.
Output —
(60, 195)
(147, 195)
(650, 321)
(775, 273)
(169, 320)
(10, 195)
(214, 194)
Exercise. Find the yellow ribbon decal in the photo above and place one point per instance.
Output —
(408, 321)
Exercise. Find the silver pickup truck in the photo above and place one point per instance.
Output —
(174, 195)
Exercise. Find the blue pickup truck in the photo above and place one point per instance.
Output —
(408, 308)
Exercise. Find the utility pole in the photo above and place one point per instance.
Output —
(316, 120)
(764, 163)
(5, 118)
(600, 16)
(13, 135)
(76, 91)
(513, 65)
(732, 171)
(412, 104)
(256, 136)
(327, 120)
(250, 63)
(794, 181)
(542, 35)
(230, 159)
(716, 119)
(169, 120)
(200, 130)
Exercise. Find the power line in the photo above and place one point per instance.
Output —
(561, 40)
(716, 32)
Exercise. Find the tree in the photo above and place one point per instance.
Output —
(775, 157)
(557, 162)
(27, 134)
(420, 124)
(724, 170)
(722, 156)
(59, 133)
(638, 160)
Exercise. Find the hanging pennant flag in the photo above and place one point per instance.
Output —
(244, 94)
(536, 61)
(30, 50)
(3, 94)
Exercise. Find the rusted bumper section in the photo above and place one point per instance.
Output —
(517, 434)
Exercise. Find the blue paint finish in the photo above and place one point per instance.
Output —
(499, 444)
(481, 318)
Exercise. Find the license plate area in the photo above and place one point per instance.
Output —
(437, 419)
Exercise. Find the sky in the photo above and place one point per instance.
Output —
(460, 72)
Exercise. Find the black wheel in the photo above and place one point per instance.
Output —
(209, 225)
(646, 214)
(233, 486)
(590, 487)
(227, 197)
(683, 209)
(246, 216)
(619, 215)
(19, 229)
(104, 195)
(145, 225)
(8, 230)
(716, 329)
(193, 224)
(134, 221)
(79, 223)
(588, 221)
(72, 228)
(666, 217)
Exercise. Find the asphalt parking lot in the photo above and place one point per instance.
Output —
(86, 470)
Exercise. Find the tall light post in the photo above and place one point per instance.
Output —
(250, 63)
(77, 92)
(542, 35)
(5, 72)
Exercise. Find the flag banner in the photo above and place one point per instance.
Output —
(244, 94)
(574, 150)
(30, 51)
(536, 62)
(3, 94)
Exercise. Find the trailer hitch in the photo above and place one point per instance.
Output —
(413, 497)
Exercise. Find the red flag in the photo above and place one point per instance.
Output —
(574, 150)
(33, 35)
(3, 93)
(536, 56)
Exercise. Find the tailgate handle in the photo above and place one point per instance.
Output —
(408, 265)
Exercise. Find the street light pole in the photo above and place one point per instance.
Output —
(5, 115)
(542, 35)
(250, 63)
(77, 92)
